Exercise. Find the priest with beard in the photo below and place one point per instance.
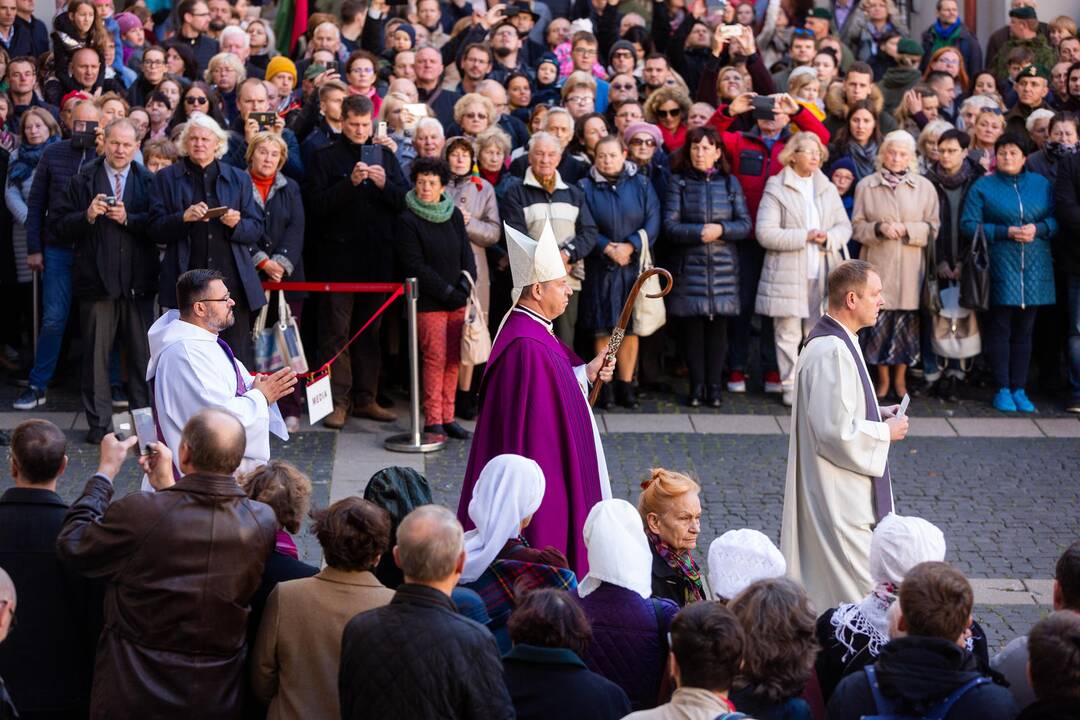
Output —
(534, 402)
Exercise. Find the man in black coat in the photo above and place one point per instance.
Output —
(194, 16)
(1067, 205)
(104, 215)
(928, 664)
(355, 190)
(48, 663)
(417, 657)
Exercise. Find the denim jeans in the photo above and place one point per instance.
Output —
(56, 306)
(1074, 334)
(1011, 329)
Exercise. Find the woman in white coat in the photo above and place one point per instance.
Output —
(804, 229)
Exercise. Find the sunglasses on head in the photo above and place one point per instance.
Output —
(993, 110)
(675, 112)
(802, 32)
(195, 100)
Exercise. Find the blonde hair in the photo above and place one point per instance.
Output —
(1064, 24)
(662, 487)
(665, 94)
(471, 99)
(225, 59)
(575, 80)
(800, 81)
(261, 138)
(797, 142)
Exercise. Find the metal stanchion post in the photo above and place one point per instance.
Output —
(416, 440)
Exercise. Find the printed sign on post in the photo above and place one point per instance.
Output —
(320, 403)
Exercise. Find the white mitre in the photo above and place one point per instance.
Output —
(533, 261)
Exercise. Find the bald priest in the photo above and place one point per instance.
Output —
(534, 402)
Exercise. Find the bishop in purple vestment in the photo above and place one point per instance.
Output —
(533, 402)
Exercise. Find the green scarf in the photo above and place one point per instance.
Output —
(437, 212)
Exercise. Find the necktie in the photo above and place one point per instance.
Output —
(241, 386)
(119, 187)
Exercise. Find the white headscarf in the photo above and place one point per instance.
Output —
(739, 558)
(618, 549)
(509, 489)
(900, 543)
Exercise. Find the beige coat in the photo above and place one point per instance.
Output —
(828, 497)
(900, 263)
(781, 230)
(484, 228)
(686, 704)
(295, 661)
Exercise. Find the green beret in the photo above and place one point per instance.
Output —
(1023, 13)
(1031, 71)
(820, 13)
(907, 46)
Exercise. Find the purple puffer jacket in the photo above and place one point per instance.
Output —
(627, 646)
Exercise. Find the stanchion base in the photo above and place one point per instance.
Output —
(429, 442)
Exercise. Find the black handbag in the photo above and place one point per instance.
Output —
(931, 288)
(975, 274)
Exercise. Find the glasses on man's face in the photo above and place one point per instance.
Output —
(642, 142)
(624, 86)
(195, 100)
(225, 299)
(579, 99)
(585, 52)
(670, 112)
(622, 55)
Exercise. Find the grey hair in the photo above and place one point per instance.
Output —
(557, 110)
(205, 122)
(898, 137)
(227, 59)
(430, 541)
(7, 587)
(979, 102)
(933, 129)
(494, 135)
(1037, 115)
(234, 30)
(430, 122)
(121, 122)
(332, 26)
(543, 136)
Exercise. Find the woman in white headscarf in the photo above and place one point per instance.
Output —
(739, 558)
(852, 635)
(629, 643)
(507, 493)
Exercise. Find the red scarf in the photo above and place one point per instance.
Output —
(673, 141)
(491, 177)
(262, 184)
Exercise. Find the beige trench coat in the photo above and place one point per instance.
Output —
(484, 229)
(900, 263)
(781, 230)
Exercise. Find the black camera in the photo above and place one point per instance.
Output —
(764, 107)
(111, 201)
(84, 135)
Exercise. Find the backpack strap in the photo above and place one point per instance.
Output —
(941, 711)
(884, 705)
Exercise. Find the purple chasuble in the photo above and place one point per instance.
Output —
(827, 326)
(531, 405)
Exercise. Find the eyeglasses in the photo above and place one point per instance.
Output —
(361, 70)
(475, 116)
(623, 54)
(642, 142)
(195, 100)
(579, 99)
(152, 63)
(225, 299)
(624, 86)
(585, 52)
(672, 112)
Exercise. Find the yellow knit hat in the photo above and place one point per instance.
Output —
(281, 64)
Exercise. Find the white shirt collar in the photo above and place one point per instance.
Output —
(548, 324)
(853, 336)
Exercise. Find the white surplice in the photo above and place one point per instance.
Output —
(190, 372)
(833, 453)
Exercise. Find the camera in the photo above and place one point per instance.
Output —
(84, 135)
(111, 201)
(764, 107)
(265, 120)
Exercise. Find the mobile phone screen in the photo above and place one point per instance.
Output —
(145, 428)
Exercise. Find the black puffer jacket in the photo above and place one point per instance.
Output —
(706, 274)
(418, 658)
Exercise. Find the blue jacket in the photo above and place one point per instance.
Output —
(282, 236)
(57, 166)
(619, 210)
(172, 194)
(706, 274)
(1021, 274)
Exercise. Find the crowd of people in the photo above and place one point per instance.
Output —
(747, 149)
(195, 599)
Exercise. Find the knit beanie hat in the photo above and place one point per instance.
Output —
(280, 64)
(127, 22)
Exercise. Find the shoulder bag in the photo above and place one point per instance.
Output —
(279, 345)
(649, 314)
(975, 274)
(475, 336)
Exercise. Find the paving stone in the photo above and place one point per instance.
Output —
(929, 427)
(1059, 427)
(648, 423)
(736, 424)
(995, 427)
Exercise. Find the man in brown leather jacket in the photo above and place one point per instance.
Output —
(180, 567)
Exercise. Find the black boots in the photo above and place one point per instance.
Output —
(714, 395)
(625, 395)
(697, 396)
(465, 404)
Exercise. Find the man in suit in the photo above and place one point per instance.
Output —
(48, 663)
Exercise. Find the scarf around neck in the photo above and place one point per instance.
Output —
(682, 562)
(951, 182)
(893, 179)
(863, 156)
(27, 161)
(436, 212)
(944, 36)
(1058, 150)
(867, 618)
(284, 545)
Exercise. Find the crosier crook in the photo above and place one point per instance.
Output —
(624, 319)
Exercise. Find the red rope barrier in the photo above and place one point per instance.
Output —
(337, 287)
(397, 291)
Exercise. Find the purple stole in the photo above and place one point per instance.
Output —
(825, 327)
